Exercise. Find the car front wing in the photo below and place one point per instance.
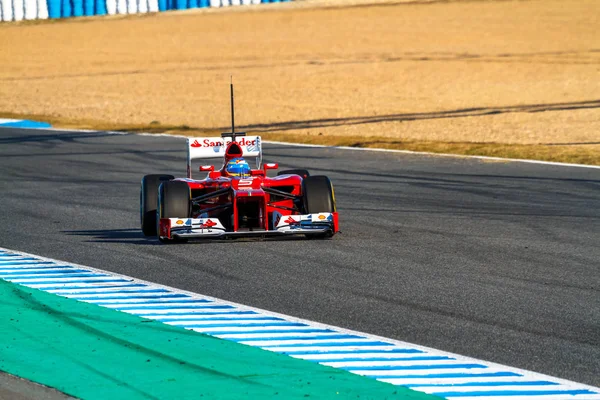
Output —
(307, 224)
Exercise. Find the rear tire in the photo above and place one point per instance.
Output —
(302, 172)
(318, 197)
(149, 201)
(173, 202)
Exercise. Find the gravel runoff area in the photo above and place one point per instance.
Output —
(492, 72)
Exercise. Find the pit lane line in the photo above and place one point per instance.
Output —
(419, 368)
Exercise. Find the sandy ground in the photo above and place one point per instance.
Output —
(524, 72)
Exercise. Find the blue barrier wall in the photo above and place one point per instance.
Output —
(54, 8)
(17, 10)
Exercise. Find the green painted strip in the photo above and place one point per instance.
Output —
(93, 352)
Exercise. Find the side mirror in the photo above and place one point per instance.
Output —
(207, 168)
(271, 166)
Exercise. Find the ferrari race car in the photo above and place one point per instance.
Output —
(236, 200)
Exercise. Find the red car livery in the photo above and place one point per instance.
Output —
(224, 206)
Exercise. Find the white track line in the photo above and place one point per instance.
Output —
(439, 154)
(425, 153)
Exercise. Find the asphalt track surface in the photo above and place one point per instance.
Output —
(498, 261)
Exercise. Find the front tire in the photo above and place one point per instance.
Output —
(173, 202)
(318, 197)
(149, 200)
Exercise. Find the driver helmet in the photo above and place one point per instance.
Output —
(238, 167)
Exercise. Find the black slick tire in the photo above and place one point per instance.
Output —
(173, 202)
(318, 197)
(149, 201)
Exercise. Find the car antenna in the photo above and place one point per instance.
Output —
(232, 134)
(232, 108)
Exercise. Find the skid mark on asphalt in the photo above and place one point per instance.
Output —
(427, 370)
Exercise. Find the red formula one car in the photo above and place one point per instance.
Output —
(236, 200)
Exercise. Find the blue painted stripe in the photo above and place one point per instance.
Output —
(336, 336)
(22, 258)
(55, 289)
(484, 383)
(75, 295)
(126, 295)
(336, 351)
(254, 320)
(514, 393)
(199, 317)
(208, 307)
(27, 267)
(237, 332)
(28, 270)
(54, 271)
(108, 294)
(245, 325)
(312, 338)
(134, 297)
(25, 278)
(78, 281)
(20, 262)
(162, 301)
(414, 358)
(337, 344)
(317, 340)
(411, 367)
(449, 375)
(166, 307)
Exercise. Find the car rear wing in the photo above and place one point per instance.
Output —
(214, 147)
